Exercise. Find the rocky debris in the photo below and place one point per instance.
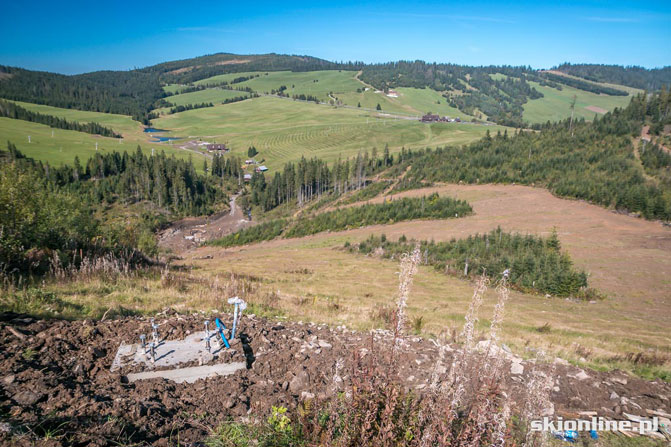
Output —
(620, 380)
(27, 398)
(582, 375)
(68, 379)
(516, 368)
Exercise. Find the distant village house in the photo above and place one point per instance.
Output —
(217, 147)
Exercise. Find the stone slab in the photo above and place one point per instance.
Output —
(191, 374)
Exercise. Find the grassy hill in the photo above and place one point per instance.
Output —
(121, 124)
(555, 104)
(284, 130)
(213, 95)
(64, 145)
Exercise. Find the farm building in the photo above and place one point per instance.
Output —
(250, 161)
(430, 118)
(392, 94)
(261, 168)
(248, 177)
(217, 147)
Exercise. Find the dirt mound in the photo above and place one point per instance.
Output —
(55, 379)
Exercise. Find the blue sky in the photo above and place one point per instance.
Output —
(75, 37)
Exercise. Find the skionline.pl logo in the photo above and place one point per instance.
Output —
(596, 424)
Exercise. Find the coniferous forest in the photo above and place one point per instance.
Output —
(589, 161)
(431, 207)
(47, 210)
(534, 263)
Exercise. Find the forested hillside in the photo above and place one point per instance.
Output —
(498, 93)
(46, 210)
(591, 161)
(190, 70)
(637, 77)
(133, 93)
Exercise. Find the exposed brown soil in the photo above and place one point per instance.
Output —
(192, 231)
(55, 378)
(627, 257)
(645, 136)
(596, 109)
(233, 62)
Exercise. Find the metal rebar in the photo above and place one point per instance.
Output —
(207, 335)
(154, 328)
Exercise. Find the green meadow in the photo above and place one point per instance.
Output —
(121, 124)
(284, 130)
(213, 95)
(64, 145)
(315, 83)
(556, 104)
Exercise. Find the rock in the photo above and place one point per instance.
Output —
(614, 395)
(625, 401)
(582, 375)
(324, 344)
(300, 382)
(307, 396)
(5, 427)
(516, 368)
(8, 380)
(558, 361)
(27, 398)
(587, 413)
(620, 380)
(660, 413)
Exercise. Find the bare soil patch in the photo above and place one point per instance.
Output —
(190, 232)
(233, 62)
(55, 377)
(596, 109)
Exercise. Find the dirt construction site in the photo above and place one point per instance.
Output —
(94, 383)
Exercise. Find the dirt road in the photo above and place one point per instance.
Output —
(190, 232)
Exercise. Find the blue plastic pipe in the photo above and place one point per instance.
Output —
(222, 327)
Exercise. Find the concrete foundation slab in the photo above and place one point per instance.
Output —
(190, 375)
(168, 352)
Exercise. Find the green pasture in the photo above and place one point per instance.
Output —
(284, 130)
(213, 95)
(315, 83)
(556, 104)
(64, 145)
(119, 123)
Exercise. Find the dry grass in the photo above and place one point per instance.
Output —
(466, 406)
(629, 259)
